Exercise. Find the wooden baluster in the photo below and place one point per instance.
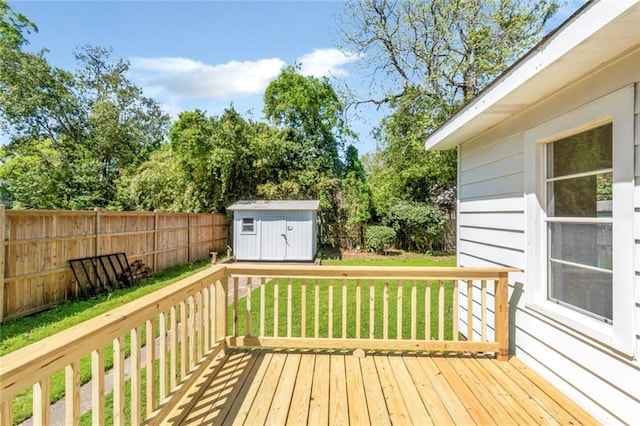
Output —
(441, 310)
(236, 325)
(162, 355)
(206, 319)
(289, 307)
(136, 382)
(427, 310)
(470, 310)
(262, 305)
(6, 413)
(191, 341)
(150, 349)
(484, 310)
(276, 302)
(248, 297)
(183, 340)
(303, 308)
(212, 314)
(385, 311)
(372, 308)
(330, 319)
(118, 382)
(199, 327)
(358, 308)
(344, 308)
(456, 310)
(173, 350)
(399, 311)
(72, 393)
(41, 411)
(316, 317)
(414, 310)
(97, 386)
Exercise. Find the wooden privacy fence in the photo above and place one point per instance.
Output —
(38, 244)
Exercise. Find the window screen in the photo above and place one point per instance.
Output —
(579, 221)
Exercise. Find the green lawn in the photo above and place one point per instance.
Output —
(351, 288)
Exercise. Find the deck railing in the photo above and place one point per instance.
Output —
(191, 322)
(377, 308)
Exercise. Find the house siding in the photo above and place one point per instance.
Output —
(492, 231)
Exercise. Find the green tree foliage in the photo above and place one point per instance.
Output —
(93, 123)
(418, 226)
(379, 239)
(430, 57)
(355, 201)
(218, 156)
(313, 114)
(157, 184)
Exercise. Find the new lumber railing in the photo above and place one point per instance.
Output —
(377, 308)
(193, 321)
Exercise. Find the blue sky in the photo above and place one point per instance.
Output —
(207, 54)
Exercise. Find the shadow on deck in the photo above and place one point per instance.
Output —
(260, 386)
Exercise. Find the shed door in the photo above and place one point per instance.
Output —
(273, 242)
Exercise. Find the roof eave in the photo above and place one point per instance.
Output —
(542, 71)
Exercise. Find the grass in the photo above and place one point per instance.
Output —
(24, 331)
(277, 298)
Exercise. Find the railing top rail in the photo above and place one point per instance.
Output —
(372, 272)
(25, 366)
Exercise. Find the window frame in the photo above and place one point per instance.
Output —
(616, 108)
(555, 219)
(253, 226)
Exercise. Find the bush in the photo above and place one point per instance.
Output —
(379, 239)
(418, 225)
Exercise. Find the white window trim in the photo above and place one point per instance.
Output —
(242, 232)
(617, 108)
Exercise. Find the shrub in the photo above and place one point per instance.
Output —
(378, 238)
(418, 225)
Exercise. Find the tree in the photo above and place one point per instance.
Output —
(97, 122)
(13, 28)
(432, 57)
(218, 154)
(313, 115)
(438, 49)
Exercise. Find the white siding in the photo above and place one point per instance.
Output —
(492, 231)
(299, 227)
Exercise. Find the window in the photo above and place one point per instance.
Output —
(580, 236)
(579, 221)
(248, 225)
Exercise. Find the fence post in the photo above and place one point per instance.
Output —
(502, 316)
(97, 224)
(155, 241)
(188, 237)
(2, 230)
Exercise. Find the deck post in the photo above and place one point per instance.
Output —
(221, 307)
(502, 316)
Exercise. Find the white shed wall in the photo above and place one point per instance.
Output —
(492, 231)
(299, 227)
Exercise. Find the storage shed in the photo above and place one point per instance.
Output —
(275, 230)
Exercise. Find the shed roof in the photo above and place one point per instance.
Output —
(598, 33)
(275, 205)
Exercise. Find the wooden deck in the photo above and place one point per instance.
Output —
(309, 387)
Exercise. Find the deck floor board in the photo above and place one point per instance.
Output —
(260, 386)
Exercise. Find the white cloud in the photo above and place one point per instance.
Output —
(166, 64)
(193, 79)
(326, 62)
